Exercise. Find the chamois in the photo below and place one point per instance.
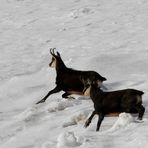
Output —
(69, 80)
(127, 100)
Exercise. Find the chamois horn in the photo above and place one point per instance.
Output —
(52, 51)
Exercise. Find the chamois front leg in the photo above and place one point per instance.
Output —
(55, 90)
(101, 117)
(88, 121)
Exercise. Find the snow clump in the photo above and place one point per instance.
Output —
(68, 140)
(123, 120)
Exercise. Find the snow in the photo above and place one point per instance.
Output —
(109, 37)
(123, 121)
(67, 140)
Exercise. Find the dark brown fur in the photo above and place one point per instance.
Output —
(69, 80)
(127, 100)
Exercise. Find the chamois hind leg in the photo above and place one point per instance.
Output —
(67, 96)
(55, 90)
(101, 117)
(141, 111)
(88, 121)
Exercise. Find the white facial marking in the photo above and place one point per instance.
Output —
(87, 92)
(53, 63)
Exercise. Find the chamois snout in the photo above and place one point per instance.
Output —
(52, 63)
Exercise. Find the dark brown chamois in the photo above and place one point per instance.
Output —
(127, 100)
(69, 80)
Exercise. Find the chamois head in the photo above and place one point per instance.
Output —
(88, 84)
(56, 61)
(54, 58)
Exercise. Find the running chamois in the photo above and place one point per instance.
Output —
(69, 80)
(127, 100)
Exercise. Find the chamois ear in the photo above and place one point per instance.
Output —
(58, 54)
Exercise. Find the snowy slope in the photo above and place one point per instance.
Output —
(109, 37)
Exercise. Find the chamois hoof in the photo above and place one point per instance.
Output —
(139, 120)
(87, 123)
(41, 101)
(97, 130)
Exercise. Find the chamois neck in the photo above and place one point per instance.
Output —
(60, 64)
(94, 92)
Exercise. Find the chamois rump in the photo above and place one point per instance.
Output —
(127, 100)
(69, 80)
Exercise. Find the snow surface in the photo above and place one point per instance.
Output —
(108, 36)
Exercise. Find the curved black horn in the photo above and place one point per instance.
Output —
(52, 51)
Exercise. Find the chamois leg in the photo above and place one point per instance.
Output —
(101, 117)
(55, 90)
(141, 111)
(65, 95)
(88, 121)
